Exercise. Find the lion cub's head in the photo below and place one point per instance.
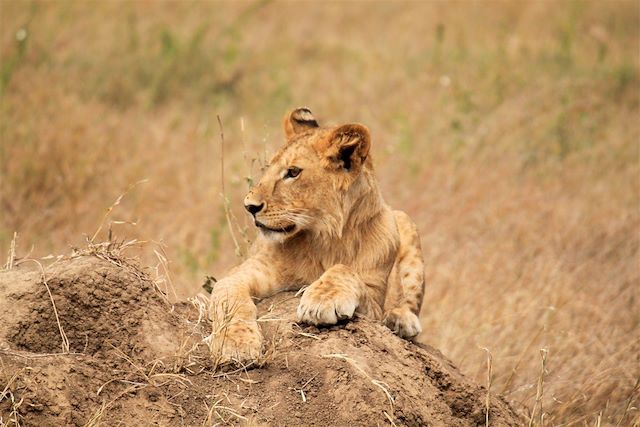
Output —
(314, 180)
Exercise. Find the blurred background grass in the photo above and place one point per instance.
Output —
(508, 130)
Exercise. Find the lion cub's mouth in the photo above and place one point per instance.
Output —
(287, 229)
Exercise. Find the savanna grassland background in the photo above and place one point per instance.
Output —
(508, 130)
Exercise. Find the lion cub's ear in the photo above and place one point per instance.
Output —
(348, 146)
(297, 121)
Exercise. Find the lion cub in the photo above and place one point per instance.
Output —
(323, 223)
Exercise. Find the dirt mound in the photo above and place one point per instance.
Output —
(136, 360)
(101, 308)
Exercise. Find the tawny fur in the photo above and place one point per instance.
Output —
(329, 228)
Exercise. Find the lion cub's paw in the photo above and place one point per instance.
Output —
(403, 322)
(324, 303)
(240, 343)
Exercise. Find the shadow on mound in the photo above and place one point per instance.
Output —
(137, 360)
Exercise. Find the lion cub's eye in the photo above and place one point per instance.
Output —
(292, 172)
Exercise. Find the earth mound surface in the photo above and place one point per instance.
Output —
(91, 341)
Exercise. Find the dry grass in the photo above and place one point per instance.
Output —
(380, 384)
(13, 418)
(508, 130)
(219, 414)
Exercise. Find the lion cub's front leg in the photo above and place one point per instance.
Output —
(235, 334)
(334, 296)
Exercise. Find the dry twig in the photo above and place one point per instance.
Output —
(225, 200)
(382, 385)
(540, 390)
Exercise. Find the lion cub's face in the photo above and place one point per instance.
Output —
(307, 181)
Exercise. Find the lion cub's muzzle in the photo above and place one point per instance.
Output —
(258, 210)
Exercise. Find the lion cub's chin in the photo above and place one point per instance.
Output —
(279, 236)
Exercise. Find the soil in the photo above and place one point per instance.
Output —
(134, 359)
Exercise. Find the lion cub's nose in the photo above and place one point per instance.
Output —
(253, 209)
